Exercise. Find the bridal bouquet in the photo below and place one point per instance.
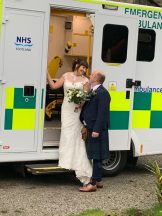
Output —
(77, 96)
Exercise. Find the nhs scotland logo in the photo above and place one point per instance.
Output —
(23, 43)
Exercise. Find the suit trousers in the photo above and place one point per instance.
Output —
(97, 171)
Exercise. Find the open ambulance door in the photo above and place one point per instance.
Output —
(22, 69)
(114, 52)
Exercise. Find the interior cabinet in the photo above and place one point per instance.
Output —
(80, 36)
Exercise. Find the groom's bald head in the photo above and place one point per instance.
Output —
(98, 76)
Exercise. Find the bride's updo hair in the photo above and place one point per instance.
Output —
(77, 63)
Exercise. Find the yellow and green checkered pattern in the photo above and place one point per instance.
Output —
(119, 110)
(20, 111)
(147, 110)
(0, 14)
(146, 113)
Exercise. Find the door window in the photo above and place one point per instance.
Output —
(146, 45)
(114, 43)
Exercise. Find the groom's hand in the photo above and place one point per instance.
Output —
(95, 134)
(84, 132)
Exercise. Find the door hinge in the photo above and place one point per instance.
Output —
(5, 20)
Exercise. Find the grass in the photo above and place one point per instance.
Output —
(154, 211)
(91, 212)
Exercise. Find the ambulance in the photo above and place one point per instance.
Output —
(123, 40)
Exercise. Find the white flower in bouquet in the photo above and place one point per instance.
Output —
(77, 96)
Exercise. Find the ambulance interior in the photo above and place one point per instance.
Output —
(70, 37)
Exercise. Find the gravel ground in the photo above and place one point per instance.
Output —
(58, 195)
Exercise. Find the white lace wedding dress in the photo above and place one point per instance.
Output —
(72, 152)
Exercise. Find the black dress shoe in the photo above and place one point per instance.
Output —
(99, 184)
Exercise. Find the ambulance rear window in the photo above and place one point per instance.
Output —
(146, 45)
(114, 43)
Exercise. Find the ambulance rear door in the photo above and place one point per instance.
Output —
(21, 88)
(114, 52)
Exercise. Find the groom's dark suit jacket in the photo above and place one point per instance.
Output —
(95, 113)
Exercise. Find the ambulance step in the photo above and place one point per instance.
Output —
(51, 133)
(51, 144)
(37, 169)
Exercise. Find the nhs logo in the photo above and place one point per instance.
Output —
(23, 43)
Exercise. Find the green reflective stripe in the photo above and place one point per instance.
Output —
(21, 101)
(9, 102)
(141, 7)
(42, 99)
(119, 120)
(142, 101)
(8, 119)
(0, 14)
(156, 119)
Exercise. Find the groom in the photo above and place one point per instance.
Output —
(95, 118)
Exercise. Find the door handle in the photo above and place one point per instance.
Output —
(130, 83)
(2, 81)
(127, 94)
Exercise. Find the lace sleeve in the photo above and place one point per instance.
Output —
(67, 76)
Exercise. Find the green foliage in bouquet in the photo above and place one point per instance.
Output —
(78, 96)
(155, 169)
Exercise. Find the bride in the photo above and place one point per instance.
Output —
(72, 151)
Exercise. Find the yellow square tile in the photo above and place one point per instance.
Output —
(119, 102)
(156, 101)
(9, 101)
(24, 119)
(141, 119)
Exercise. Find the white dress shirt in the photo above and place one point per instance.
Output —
(95, 87)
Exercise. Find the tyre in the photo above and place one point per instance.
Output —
(115, 164)
(131, 162)
(131, 159)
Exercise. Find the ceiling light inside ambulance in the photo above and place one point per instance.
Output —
(109, 7)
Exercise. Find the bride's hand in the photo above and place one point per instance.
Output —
(77, 106)
(87, 87)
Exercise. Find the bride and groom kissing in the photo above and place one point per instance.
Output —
(84, 156)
